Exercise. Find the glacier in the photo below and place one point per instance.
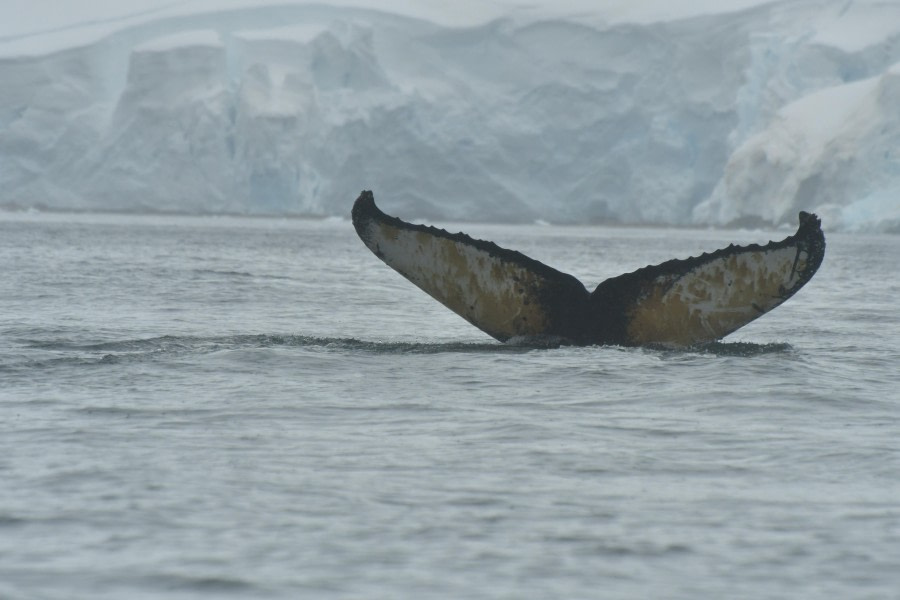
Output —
(735, 112)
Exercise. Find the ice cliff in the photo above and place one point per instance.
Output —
(730, 112)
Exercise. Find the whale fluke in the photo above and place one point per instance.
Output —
(677, 303)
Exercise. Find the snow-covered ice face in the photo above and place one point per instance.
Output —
(567, 111)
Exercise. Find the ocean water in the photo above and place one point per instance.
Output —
(251, 408)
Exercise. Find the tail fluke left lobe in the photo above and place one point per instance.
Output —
(502, 292)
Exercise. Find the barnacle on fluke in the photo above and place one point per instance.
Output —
(680, 302)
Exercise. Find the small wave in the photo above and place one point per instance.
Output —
(115, 352)
(746, 348)
(738, 349)
(397, 347)
(7, 520)
(238, 274)
(537, 341)
(204, 584)
(106, 410)
(162, 343)
(384, 347)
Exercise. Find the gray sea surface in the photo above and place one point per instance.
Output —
(198, 407)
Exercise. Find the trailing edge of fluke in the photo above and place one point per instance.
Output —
(677, 303)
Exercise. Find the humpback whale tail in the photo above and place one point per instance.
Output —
(679, 302)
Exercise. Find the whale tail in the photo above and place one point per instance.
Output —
(507, 294)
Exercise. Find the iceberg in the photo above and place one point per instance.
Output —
(716, 113)
(833, 151)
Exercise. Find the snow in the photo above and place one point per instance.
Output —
(859, 25)
(182, 39)
(833, 150)
(101, 17)
(709, 112)
(49, 25)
